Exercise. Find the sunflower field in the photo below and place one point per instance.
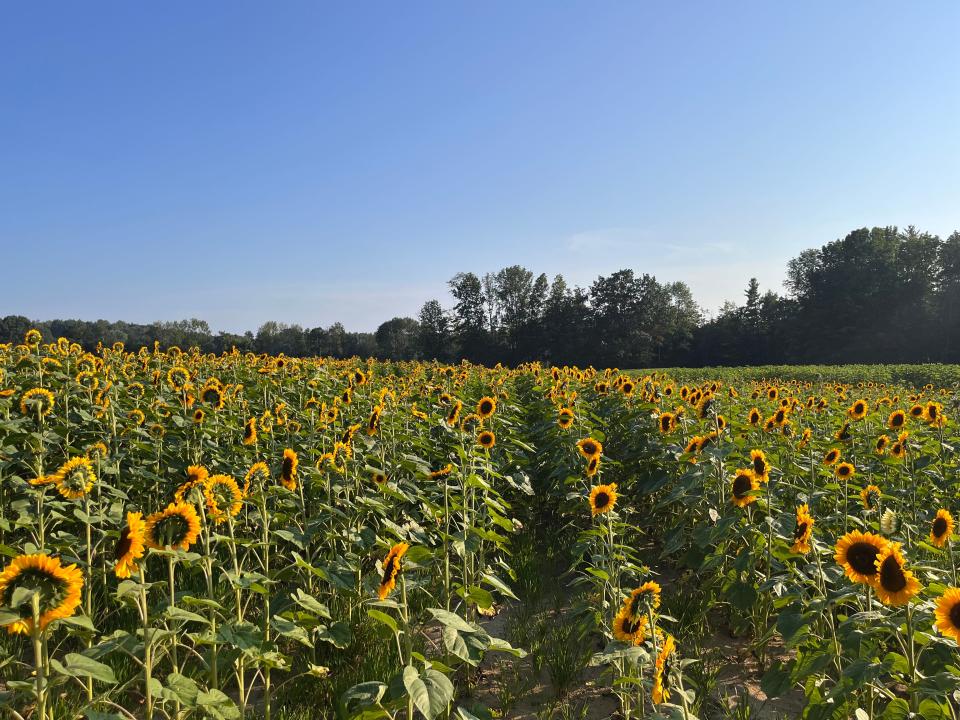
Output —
(249, 536)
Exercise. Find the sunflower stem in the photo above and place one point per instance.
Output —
(36, 634)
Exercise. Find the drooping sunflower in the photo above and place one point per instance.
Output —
(58, 586)
(486, 407)
(223, 497)
(831, 457)
(893, 583)
(373, 422)
(177, 378)
(32, 338)
(933, 412)
(843, 433)
(629, 629)
(661, 676)
(644, 598)
(250, 431)
(602, 499)
(941, 529)
(75, 478)
(391, 568)
(176, 526)
(857, 553)
(565, 417)
(761, 468)
(130, 546)
(38, 402)
(593, 465)
(486, 439)
(870, 496)
(588, 447)
(744, 482)
(897, 419)
(948, 613)
(844, 470)
(258, 475)
(288, 469)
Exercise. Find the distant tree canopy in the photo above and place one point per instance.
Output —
(877, 295)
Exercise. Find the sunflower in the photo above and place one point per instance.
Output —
(588, 447)
(258, 474)
(629, 629)
(898, 450)
(761, 469)
(379, 478)
(442, 472)
(177, 378)
(486, 439)
(660, 693)
(844, 470)
(486, 407)
(754, 417)
(373, 422)
(288, 469)
(744, 483)
(896, 420)
(454, 414)
(941, 529)
(391, 568)
(602, 499)
(58, 587)
(858, 410)
(933, 412)
(129, 547)
(803, 531)
(895, 585)
(32, 338)
(565, 417)
(857, 552)
(177, 526)
(667, 422)
(75, 478)
(833, 454)
(250, 431)
(870, 496)
(917, 411)
(880, 446)
(223, 496)
(948, 613)
(643, 599)
(37, 401)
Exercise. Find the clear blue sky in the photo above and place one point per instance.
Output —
(307, 162)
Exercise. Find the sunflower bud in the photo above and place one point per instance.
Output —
(889, 522)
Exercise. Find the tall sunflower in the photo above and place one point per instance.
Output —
(857, 553)
(391, 568)
(130, 546)
(602, 499)
(588, 447)
(870, 496)
(258, 475)
(844, 470)
(486, 407)
(58, 586)
(744, 483)
(223, 497)
(37, 401)
(831, 456)
(661, 675)
(75, 478)
(176, 526)
(941, 529)
(948, 613)
(894, 584)
(288, 469)
(250, 431)
(644, 598)
(628, 628)
(761, 468)
(803, 531)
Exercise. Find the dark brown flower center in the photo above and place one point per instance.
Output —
(939, 527)
(741, 485)
(862, 557)
(955, 615)
(123, 544)
(801, 530)
(892, 578)
(601, 500)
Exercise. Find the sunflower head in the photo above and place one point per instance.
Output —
(37, 402)
(588, 447)
(744, 483)
(831, 456)
(391, 568)
(57, 586)
(857, 553)
(941, 529)
(75, 478)
(486, 439)
(803, 531)
(644, 599)
(177, 526)
(844, 470)
(870, 496)
(628, 628)
(602, 499)
(893, 583)
(948, 613)
(565, 418)
(288, 469)
(667, 422)
(130, 546)
(223, 497)
(758, 461)
(486, 407)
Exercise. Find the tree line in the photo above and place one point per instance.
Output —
(877, 295)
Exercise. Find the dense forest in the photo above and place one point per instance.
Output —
(877, 295)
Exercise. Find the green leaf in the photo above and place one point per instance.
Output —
(309, 603)
(382, 617)
(451, 620)
(217, 705)
(431, 691)
(898, 709)
(81, 666)
(183, 688)
(177, 613)
(338, 634)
